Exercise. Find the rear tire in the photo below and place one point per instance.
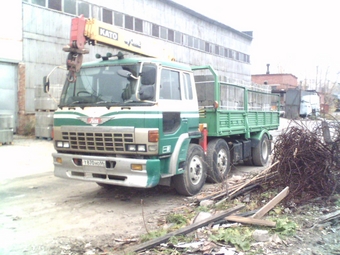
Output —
(218, 159)
(261, 152)
(195, 173)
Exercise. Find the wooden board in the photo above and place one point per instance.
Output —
(267, 207)
(185, 230)
(251, 221)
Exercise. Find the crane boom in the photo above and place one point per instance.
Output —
(93, 31)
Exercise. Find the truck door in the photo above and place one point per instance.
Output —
(177, 105)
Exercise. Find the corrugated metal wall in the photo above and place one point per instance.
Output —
(45, 32)
(8, 91)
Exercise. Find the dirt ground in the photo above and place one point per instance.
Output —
(43, 214)
(37, 209)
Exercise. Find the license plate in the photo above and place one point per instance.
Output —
(89, 162)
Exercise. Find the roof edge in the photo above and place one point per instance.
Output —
(210, 20)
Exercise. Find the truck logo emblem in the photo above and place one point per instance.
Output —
(95, 121)
(166, 149)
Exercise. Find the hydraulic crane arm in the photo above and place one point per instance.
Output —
(92, 31)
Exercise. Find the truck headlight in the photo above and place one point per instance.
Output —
(131, 147)
(141, 147)
(136, 147)
(61, 144)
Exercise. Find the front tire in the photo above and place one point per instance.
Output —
(218, 159)
(261, 152)
(195, 173)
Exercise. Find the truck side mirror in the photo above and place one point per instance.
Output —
(46, 83)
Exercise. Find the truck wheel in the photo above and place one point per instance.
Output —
(218, 159)
(261, 152)
(195, 173)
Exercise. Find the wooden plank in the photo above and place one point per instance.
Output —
(329, 216)
(185, 230)
(250, 221)
(267, 207)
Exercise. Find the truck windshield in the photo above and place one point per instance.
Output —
(102, 86)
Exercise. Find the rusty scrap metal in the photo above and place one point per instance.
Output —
(308, 161)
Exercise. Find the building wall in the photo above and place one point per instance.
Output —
(10, 57)
(279, 81)
(46, 29)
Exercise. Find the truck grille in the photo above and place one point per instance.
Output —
(102, 140)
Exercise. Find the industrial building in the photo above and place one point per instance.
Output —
(31, 44)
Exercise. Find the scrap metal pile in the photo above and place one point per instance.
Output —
(308, 160)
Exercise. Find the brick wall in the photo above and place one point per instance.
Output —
(280, 81)
(25, 121)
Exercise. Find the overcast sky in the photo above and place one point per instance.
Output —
(294, 36)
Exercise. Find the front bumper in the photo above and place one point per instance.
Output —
(117, 171)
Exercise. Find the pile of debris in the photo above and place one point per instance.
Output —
(308, 161)
(306, 166)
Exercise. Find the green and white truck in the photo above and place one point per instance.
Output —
(142, 121)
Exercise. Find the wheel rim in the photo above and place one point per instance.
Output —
(264, 150)
(195, 170)
(222, 161)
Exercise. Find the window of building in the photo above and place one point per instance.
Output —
(128, 22)
(54, 4)
(107, 16)
(39, 2)
(155, 30)
(147, 28)
(196, 43)
(237, 57)
(202, 45)
(118, 19)
(70, 6)
(96, 12)
(178, 37)
(138, 25)
(185, 39)
(190, 41)
(221, 51)
(231, 53)
(84, 8)
(207, 47)
(225, 52)
(164, 33)
(217, 49)
(171, 35)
